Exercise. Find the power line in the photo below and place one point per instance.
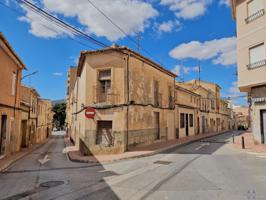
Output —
(61, 23)
(137, 43)
(68, 37)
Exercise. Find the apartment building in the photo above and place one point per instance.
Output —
(133, 98)
(10, 75)
(29, 107)
(251, 59)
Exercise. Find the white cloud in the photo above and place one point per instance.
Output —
(169, 26)
(39, 26)
(133, 16)
(224, 2)
(57, 74)
(221, 51)
(187, 9)
(176, 70)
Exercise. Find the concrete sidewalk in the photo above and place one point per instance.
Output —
(140, 151)
(7, 161)
(250, 146)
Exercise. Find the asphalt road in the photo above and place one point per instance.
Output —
(204, 170)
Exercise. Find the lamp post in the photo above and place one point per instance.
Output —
(27, 75)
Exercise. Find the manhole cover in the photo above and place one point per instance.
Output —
(50, 184)
(161, 162)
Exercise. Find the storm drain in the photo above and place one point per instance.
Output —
(161, 162)
(50, 184)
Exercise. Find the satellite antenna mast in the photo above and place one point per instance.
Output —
(138, 41)
(199, 71)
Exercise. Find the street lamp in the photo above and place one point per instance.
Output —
(27, 75)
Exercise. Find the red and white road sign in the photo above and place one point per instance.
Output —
(90, 113)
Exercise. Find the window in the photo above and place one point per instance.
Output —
(156, 93)
(254, 6)
(256, 54)
(182, 120)
(104, 135)
(104, 84)
(14, 80)
(191, 121)
(212, 104)
(170, 97)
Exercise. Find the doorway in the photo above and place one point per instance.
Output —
(104, 133)
(186, 125)
(157, 124)
(3, 134)
(263, 126)
(198, 126)
(24, 134)
(203, 124)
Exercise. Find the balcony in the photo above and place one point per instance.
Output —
(105, 97)
(256, 64)
(157, 99)
(255, 16)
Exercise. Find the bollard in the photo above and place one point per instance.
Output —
(233, 138)
(243, 142)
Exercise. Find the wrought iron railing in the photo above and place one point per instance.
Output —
(256, 64)
(255, 16)
(102, 96)
(157, 99)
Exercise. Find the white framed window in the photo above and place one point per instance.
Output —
(254, 6)
(257, 54)
(14, 81)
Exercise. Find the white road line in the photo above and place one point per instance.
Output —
(202, 145)
(44, 160)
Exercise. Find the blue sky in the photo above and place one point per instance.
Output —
(178, 33)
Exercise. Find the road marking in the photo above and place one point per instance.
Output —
(202, 145)
(261, 156)
(44, 160)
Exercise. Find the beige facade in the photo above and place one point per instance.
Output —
(10, 75)
(44, 119)
(214, 114)
(242, 113)
(137, 102)
(71, 80)
(251, 57)
(187, 111)
(29, 107)
(133, 98)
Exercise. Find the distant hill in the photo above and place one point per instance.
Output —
(58, 101)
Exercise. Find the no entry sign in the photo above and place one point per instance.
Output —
(90, 113)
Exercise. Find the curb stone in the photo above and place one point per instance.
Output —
(9, 164)
(96, 162)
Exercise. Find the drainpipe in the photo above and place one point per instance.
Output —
(127, 66)
(16, 91)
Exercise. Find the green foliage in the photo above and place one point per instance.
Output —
(60, 114)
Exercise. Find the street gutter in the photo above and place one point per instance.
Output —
(162, 150)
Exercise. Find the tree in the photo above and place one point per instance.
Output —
(60, 114)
